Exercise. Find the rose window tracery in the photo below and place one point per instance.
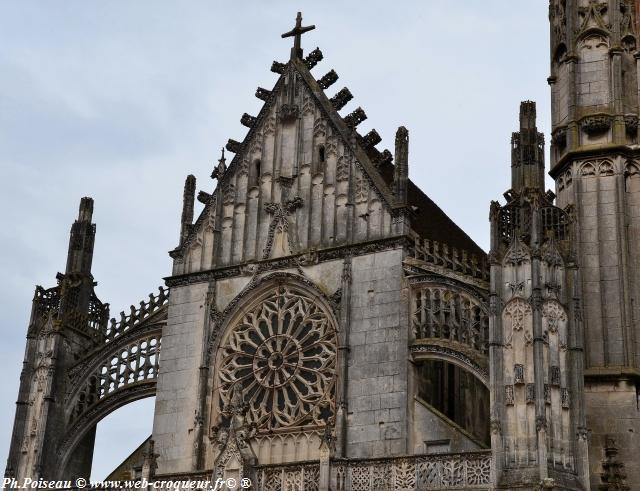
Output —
(282, 354)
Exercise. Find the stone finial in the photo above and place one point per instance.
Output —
(527, 152)
(188, 199)
(401, 171)
(80, 252)
(221, 168)
(86, 209)
(527, 114)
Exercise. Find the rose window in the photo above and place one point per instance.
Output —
(282, 353)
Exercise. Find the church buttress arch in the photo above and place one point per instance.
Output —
(449, 328)
(123, 370)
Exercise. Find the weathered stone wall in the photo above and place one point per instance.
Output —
(612, 412)
(377, 392)
(428, 426)
(176, 396)
(376, 422)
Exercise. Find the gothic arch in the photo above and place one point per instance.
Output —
(450, 323)
(593, 37)
(122, 370)
(455, 354)
(605, 168)
(587, 169)
(560, 53)
(568, 178)
(631, 168)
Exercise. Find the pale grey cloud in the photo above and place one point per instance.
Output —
(120, 100)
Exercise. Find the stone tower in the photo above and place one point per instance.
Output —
(62, 328)
(595, 161)
(536, 358)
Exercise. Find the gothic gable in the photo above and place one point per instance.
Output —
(300, 180)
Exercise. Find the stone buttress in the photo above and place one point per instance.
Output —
(537, 408)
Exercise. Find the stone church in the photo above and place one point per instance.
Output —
(327, 327)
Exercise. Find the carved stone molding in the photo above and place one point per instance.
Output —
(328, 254)
(631, 123)
(288, 113)
(431, 350)
(596, 124)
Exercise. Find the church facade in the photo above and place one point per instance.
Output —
(327, 327)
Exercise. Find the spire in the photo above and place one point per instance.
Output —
(296, 33)
(80, 253)
(527, 152)
(188, 199)
(401, 171)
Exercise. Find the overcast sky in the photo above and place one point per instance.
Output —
(121, 100)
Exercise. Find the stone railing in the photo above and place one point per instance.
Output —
(415, 473)
(465, 471)
(294, 477)
(137, 314)
(456, 260)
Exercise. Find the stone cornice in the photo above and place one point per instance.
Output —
(594, 151)
(251, 267)
(602, 374)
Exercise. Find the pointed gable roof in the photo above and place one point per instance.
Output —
(431, 222)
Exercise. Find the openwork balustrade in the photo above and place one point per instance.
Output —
(51, 302)
(465, 471)
(459, 261)
(445, 471)
(137, 314)
(123, 363)
(303, 477)
(443, 313)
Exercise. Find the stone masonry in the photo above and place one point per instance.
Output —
(326, 326)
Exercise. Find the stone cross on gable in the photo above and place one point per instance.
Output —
(296, 33)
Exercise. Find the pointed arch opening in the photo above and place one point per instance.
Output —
(457, 396)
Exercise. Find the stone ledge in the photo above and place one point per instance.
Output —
(597, 374)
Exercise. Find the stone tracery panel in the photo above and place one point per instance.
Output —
(447, 471)
(136, 361)
(283, 352)
(443, 313)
